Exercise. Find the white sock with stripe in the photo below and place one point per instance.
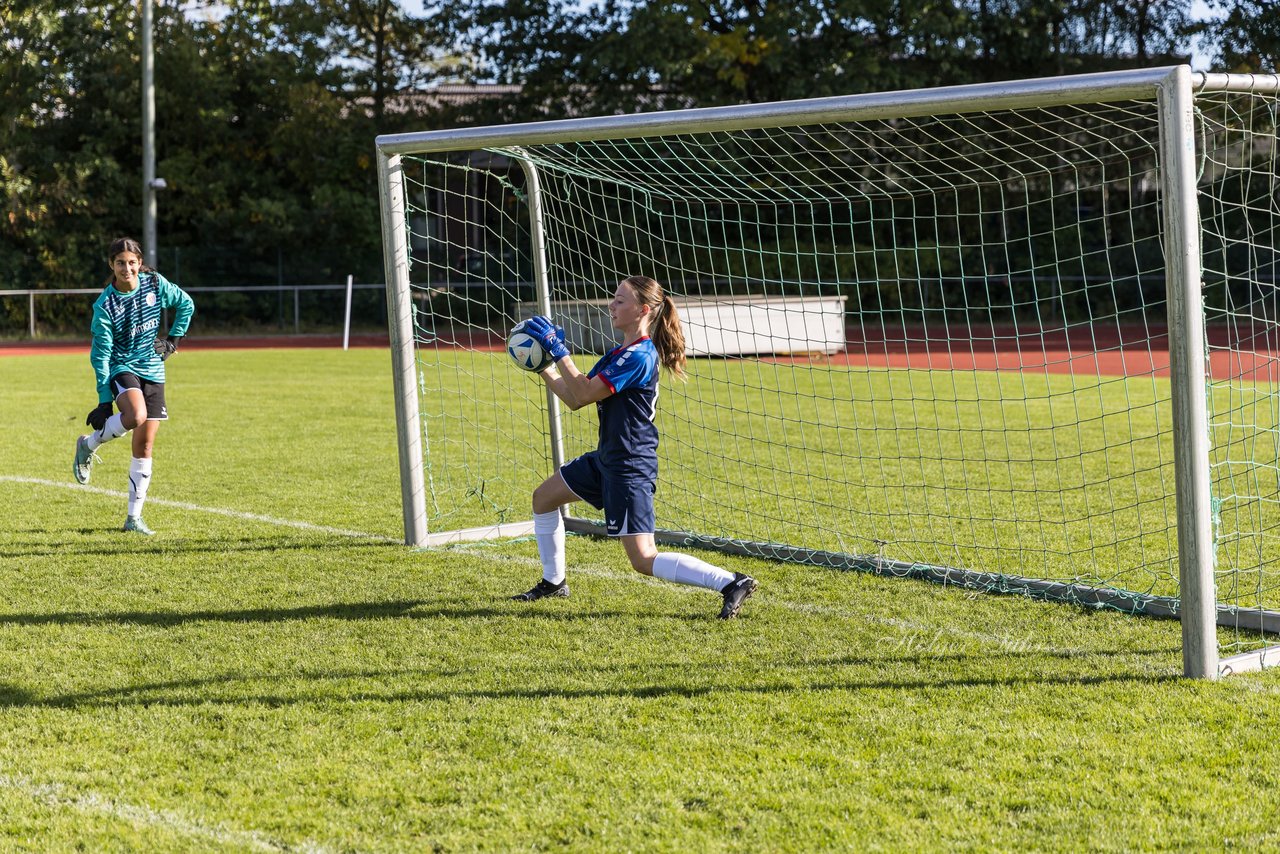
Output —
(548, 530)
(113, 429)
(687, 569)
(139, 480)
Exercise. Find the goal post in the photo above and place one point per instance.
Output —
(1020, 337)
(1187, 375)
(400, 325)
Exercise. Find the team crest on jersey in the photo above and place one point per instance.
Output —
(151, 299)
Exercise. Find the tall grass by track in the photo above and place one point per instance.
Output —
(273, 671)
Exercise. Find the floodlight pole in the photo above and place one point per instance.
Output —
(149, 184)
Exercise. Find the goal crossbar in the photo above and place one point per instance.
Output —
(1095, 88)
(1172, 90)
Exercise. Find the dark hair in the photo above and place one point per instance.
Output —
(664, 322)
(125, 244)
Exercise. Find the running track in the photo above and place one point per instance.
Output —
(1250, 355)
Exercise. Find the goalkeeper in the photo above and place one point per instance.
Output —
(620, 475)
(128, 358)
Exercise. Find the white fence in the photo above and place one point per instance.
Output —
(287, 293)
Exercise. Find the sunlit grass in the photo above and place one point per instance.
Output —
(274, 670)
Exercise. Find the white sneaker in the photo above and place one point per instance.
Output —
(84, 461)
(135, 525)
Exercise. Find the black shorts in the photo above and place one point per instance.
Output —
(627, 504)
(152, 393)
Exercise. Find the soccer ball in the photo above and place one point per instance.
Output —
(526, 351)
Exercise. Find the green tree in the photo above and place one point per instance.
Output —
(541, 46)
(260, 147)
(66, 134)
(1247, 35)
(266, 115)
(622, 56)
(1035, 38)
(386, 51)
(619, 56)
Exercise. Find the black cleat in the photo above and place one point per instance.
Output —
(542, 590)
(735, 593)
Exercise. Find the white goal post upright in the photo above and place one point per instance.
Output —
(970, 228)
(542, 290)
(403, 355)
(1187, 373)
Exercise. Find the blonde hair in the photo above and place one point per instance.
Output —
(664, 323)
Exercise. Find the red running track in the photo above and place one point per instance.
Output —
(283, 342)
(1246, 355)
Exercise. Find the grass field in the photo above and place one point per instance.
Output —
(274, 671)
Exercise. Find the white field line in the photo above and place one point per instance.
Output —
(919, 636)
(219, 511)
(58, 796)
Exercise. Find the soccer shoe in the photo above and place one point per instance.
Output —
(85, 459)
(134, 524)
(735, 593)
(544, 589)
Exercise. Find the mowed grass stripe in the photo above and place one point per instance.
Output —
(921, 634)
(355, 694)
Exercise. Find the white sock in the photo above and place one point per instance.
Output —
(113, 429)
(548, 530)
(139, 480)
(687, 569)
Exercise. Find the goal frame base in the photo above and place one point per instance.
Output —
(1257, 620)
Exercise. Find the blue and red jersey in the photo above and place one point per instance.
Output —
(628, 446)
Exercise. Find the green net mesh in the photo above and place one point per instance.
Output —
(995, 394)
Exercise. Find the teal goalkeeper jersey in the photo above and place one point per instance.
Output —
(125, 327)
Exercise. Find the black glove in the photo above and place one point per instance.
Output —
(98, 417)
(165, 347)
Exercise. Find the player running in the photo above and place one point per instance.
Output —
(128, 357)
(620, 476)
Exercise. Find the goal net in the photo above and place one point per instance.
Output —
(933, 335)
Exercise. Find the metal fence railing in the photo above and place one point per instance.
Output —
(295, 309)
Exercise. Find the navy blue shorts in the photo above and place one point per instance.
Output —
(627, 504)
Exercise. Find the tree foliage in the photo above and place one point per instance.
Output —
(619, 56)
(61, 159)
(267, 109)
(265, 120)
(1247, 35)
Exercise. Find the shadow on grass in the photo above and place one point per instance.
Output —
(410, 609)
(14, 696)
(136, 545)
(909, 663)
(866, 673)
(335, 611)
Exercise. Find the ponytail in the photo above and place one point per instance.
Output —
(668, 337)
(664, 323)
